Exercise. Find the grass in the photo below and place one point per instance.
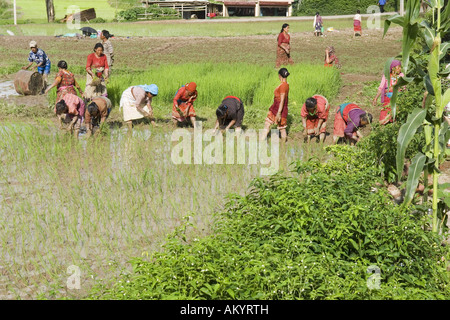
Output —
(35, 10)
(206, 28)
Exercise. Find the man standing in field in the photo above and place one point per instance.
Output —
(43, 63)
(381, 4)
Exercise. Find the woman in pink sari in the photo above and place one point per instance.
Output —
(385, 90)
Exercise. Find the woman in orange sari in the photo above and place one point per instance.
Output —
(183, 104)
(284, 47)
(279, 110)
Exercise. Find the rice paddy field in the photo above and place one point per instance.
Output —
(93, 204)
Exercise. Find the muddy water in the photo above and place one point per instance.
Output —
(7, 89)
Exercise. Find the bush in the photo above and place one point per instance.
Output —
(132, 13)
(382, 141)
(5, 10)
(292, 238)
(98, 20)
(326, 7)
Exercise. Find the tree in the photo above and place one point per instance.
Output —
(50, 10)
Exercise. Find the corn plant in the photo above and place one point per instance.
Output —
(424, 68)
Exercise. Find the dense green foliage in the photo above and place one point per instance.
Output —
(5, 9)
(326, 7)
(312, 236)
(382, 140)
(156, 12)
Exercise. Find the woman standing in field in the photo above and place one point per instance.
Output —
(183, 104)
(64, 82)
(318, 25)
(132, 100)
(385, 90)
(97, 69)
(357, 24)
(279, 110)
(330, 58)
(230, 113)
(108, 48)
(284, 47)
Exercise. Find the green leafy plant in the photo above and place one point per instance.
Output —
(431, 73)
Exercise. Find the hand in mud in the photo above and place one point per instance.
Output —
(305, 133)
(278, 117)
(374, 102)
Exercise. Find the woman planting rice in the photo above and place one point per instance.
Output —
(386, 91)
(330, 58)
(70, 109)
(284, 47)
(96, 113)
(348, 118)
(279, 110)
(230, 113)
(64, 82)
(132, 100)
(97, 69)
(314, 117)
(183, 104)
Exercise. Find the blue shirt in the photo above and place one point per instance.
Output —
(382, 2)
(39, 57)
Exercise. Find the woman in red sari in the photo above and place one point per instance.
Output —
(64, 82)
(284, 47)
(279, 110)
(97, 69)
(183, 104)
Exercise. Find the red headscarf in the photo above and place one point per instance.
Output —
(191, 86)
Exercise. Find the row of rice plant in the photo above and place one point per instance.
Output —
(94, 204)
(254, 84)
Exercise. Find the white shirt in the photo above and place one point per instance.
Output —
(357, 17)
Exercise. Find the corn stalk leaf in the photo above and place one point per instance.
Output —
(414, 172)
(444, 48)
(405, 135)
(433, 69)
(427, 32)
(397, 19)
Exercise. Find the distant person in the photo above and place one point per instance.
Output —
(70, 109)
(331, 59)
(96, 113)
(381, 4)
(318, 25)
(183, 104)
(314, 115)
(107, 48)
(348, 118)
(230, 113)
(136, 102)
(385, 91)
(42, 61)
(64, 82)
(424, 6)
(278, 112)
(357, 24)
(97, 69)
(284, 47)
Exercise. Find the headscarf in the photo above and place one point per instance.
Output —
(152, 88)
(191, 86)
(394, 64)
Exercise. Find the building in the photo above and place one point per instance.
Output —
(185, 8)
(257, 8)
